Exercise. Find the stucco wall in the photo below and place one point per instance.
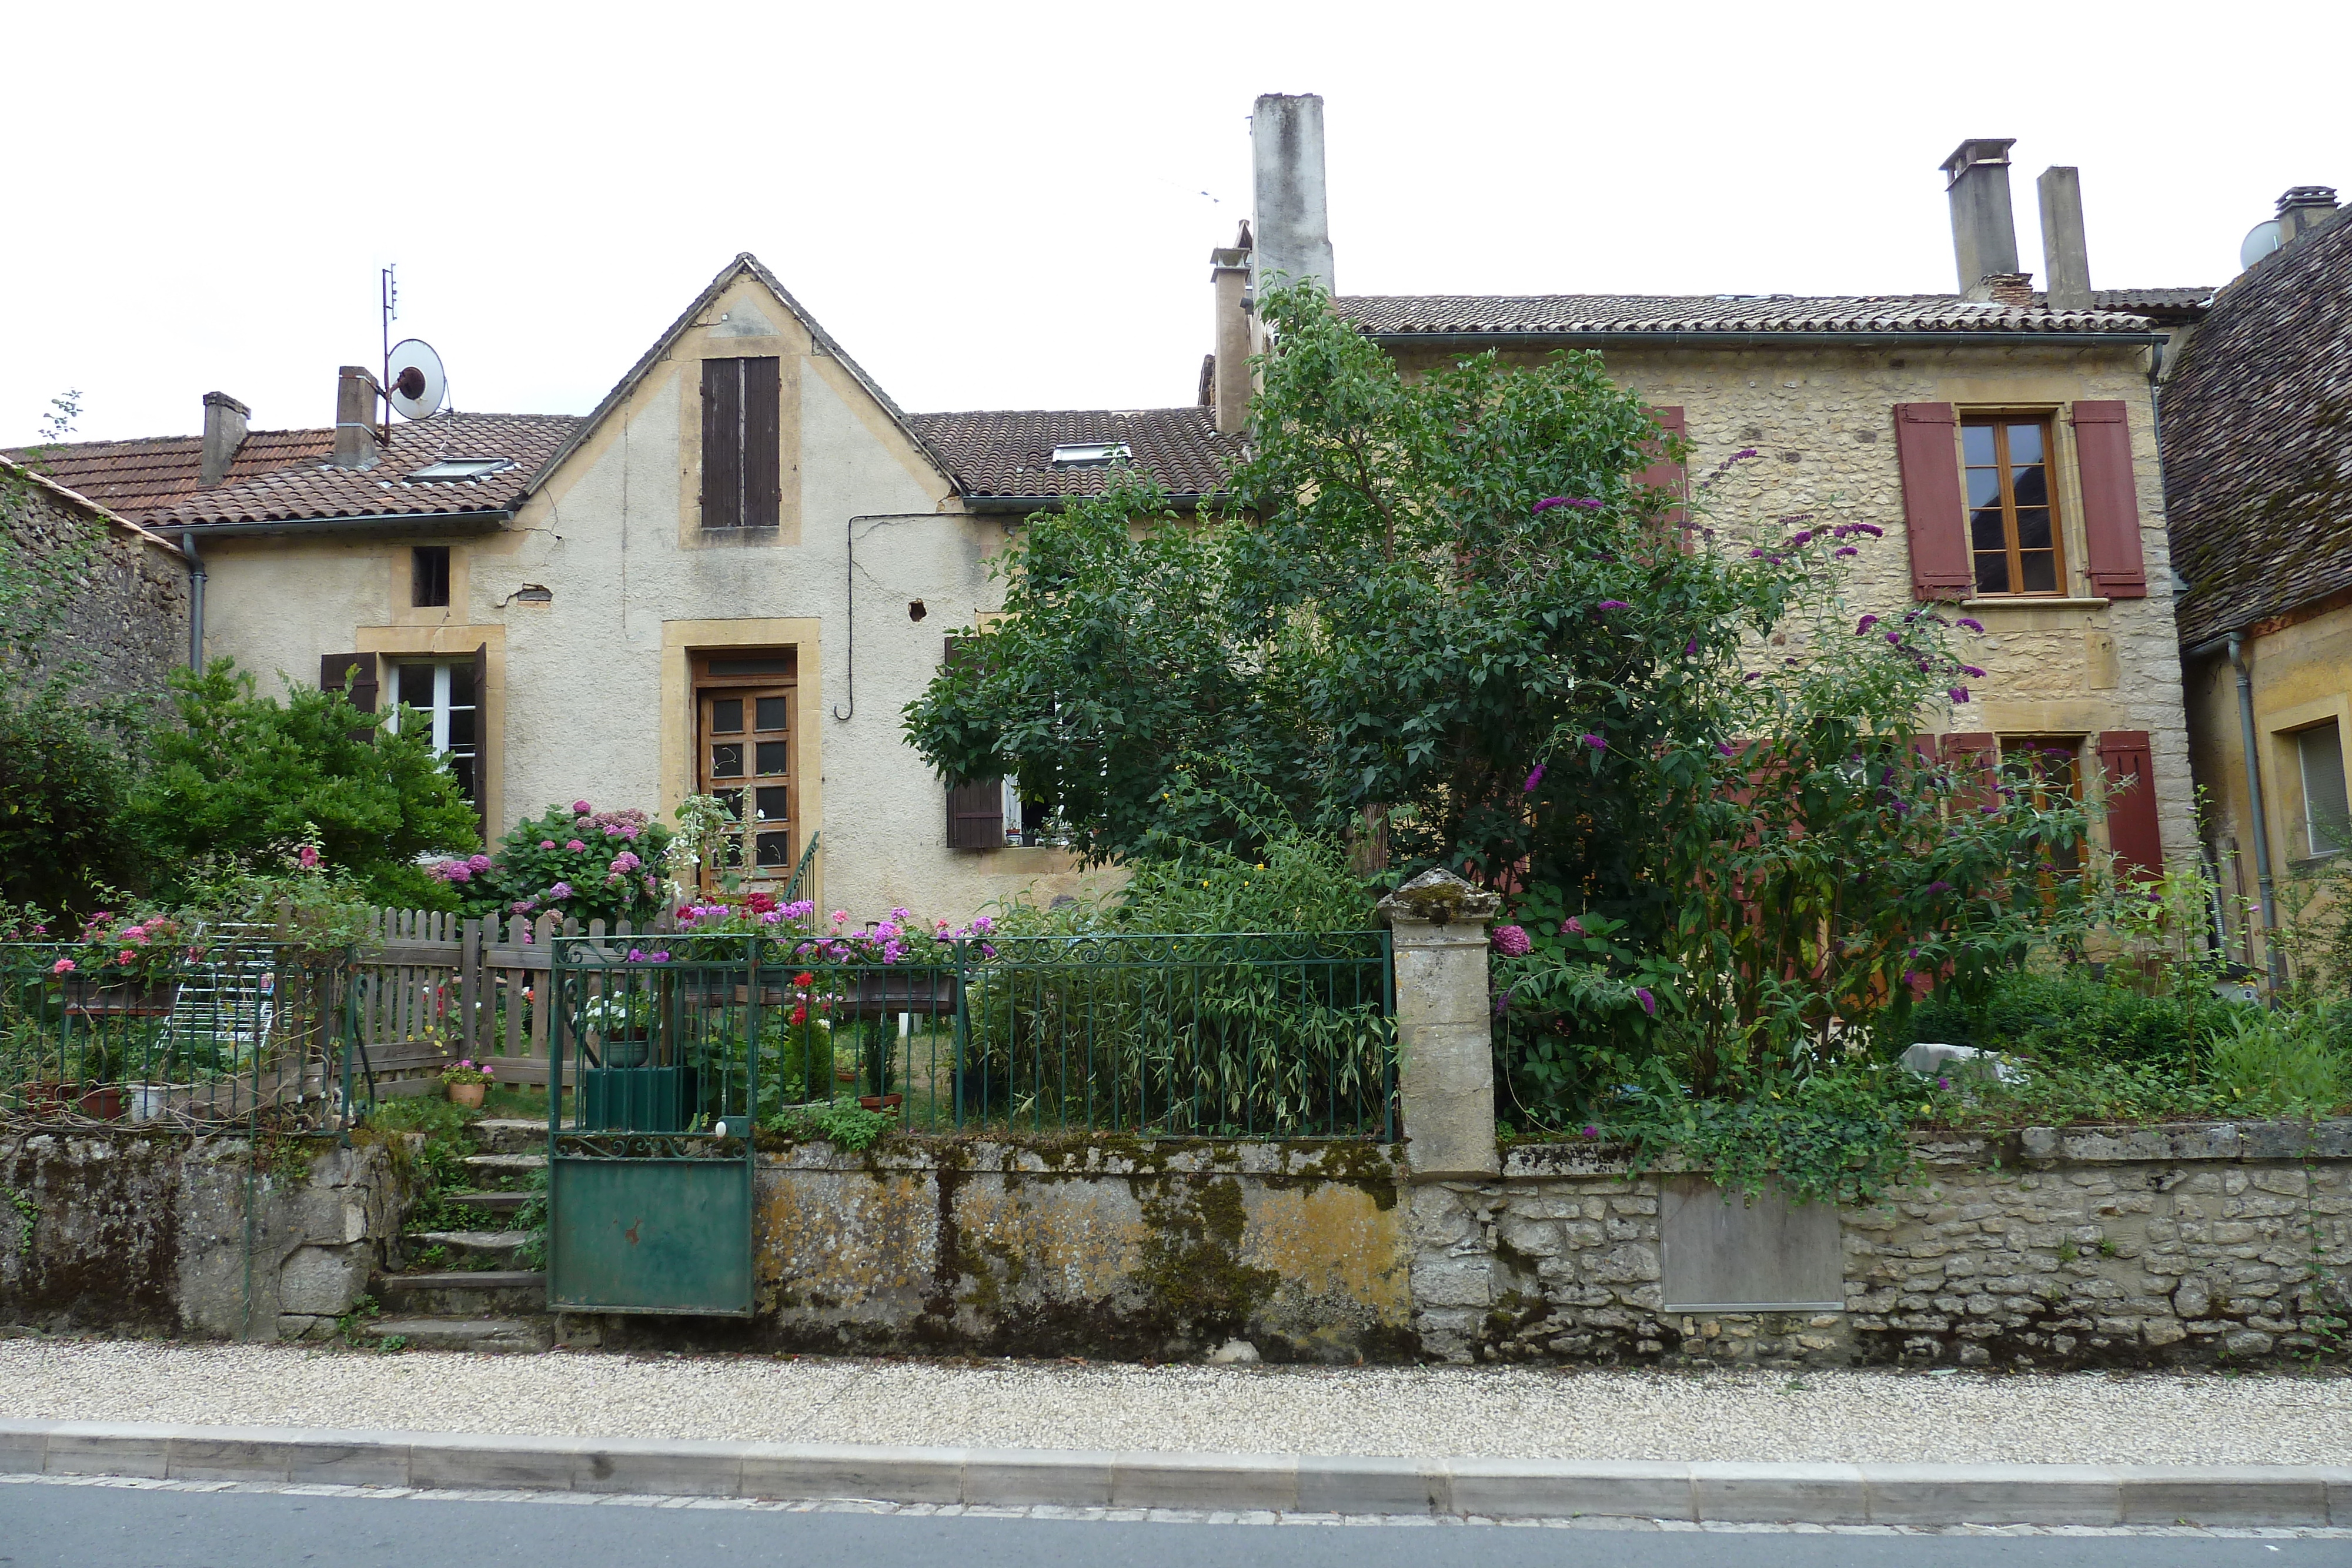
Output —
(1823, 422)
(125, 626)
(1097, 1247)
(149, 1233)
(2047, 1247)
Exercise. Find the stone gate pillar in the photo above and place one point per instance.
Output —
(1445, 1060)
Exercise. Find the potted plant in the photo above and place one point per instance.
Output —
(621, 1024)
(466, 1082)
(124, 966)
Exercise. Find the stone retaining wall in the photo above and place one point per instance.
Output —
(2221, 1243)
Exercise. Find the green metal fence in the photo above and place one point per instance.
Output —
(1225, 1035)
(242, 1032)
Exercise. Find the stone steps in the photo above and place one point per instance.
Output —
(503, 1335)
(509, 1135)
(499, 1244)
(509, 1167)
(492, 1203)
(460, 1292)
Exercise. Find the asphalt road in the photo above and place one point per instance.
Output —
(49, 1526)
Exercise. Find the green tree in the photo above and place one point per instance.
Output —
(244, 775)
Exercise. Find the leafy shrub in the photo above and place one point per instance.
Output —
(850, 1127)
(2280, 1064)
(2073, 1016)
(571, 860)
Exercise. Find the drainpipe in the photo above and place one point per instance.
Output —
(196, 602)
(2261, 817)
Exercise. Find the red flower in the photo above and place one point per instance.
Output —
(803, 978)
(800, 1015)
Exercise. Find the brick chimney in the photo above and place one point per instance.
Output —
(2065, 255)
(355, 417)
(1984, 230)
(1229, 273)
(225, 426)
(1289, 213)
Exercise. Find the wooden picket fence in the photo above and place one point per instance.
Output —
(434, 989)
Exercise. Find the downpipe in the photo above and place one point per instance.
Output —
(2263, 879)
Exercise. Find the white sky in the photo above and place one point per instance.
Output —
(997, 204)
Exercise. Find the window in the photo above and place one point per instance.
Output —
(741, 444)
(1090, 454)
(428, 576)
(745, 720)
(2320, 751)
(449, 469)
(2013, 515)
(442, 695)
(2049, 769)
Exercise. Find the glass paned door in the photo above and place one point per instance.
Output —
(746, 761)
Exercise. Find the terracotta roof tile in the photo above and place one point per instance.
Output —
(317, 489)
(1000, 454)
(2258, 441)
(1567, 314)
(137, 476)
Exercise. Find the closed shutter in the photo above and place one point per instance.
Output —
(2110, 501)
(359, 671)
(2132, 833)
(975, 806)
(1975, 756)
(1665, 474)
(722, 443)
(762, 460)
(1935, 524)
(482, 741)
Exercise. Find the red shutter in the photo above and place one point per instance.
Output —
(1975, 756)
(1927, 443)
(1666, 474)
(2110, 501)
(2131, 803)
(976, 806)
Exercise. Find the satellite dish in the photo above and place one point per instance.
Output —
(414, 381)
(2260, 240)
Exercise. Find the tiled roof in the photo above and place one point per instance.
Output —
(1386, 315)
(2258, 441)
(999, 453)
(2159, 304)
(317, 489)
(137, 476)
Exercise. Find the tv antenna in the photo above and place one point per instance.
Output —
(414, 381)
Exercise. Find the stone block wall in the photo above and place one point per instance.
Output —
(2211, 1244)
(153, 1232)
(125, 628)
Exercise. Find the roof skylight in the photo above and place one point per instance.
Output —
(1090, 454)
(449, 468)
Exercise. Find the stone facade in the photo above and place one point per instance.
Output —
(2225, 1243)
(126, 628)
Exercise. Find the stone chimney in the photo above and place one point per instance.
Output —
(2303, 209)
(1984, 231)
(225, 425)
(1229, 274)
(1292, 218)
(2065, 255)
(355, 417)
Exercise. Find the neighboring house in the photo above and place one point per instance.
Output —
(123, 629)
(2258, 464)
(2006, 441)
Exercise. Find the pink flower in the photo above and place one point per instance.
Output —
(1649, 1003)
(574, 845)
(479, 862)
(309, 858)
(560, 890)
(1613, 604)
(983, 924)
(579, 809)
(841, 917)
(1572, 927)
(63, 966)
(1596, 742)
(126, 957)
(547, 843)
(1533, 778)
(624, 860)
(1511, 941)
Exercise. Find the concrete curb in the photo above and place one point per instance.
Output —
(2279, 1495)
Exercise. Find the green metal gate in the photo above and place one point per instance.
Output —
(650, 1160)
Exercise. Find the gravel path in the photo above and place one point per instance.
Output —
(1518, 1413)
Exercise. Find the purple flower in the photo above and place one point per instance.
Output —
(1690, 648)
(1584, 502)
(1873, 530)
(1894, 639)
(1590, 1131)
(1939, 887)
(1613, 604)
(1742, 455)
(1844, 550)
(1753, 675)
(1755, 555)
(479, 862)
(1572, 927)
(560, 890)
(1511, 941)
(1972, 672)
(1803, 537)
(1960, 694)
(1649, 1003)
(1596, 742)
(1864, 624)
(580, 809)
(1943, 1083)
(1972, 624)
(1726, 748)
(1533, 778)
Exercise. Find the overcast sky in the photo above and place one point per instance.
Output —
(1011, 205)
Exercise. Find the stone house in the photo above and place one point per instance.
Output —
(2004, 438)
(124, 628)
(2258, 467)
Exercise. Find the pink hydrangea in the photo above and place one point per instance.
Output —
(63, 966)
(580, 809)
(547, 843)
(574, 845)
(1511, 941)
(560, 890)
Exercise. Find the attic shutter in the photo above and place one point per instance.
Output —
(1927, 444)
(1974, 755)
(761, 459)
(722, 443)
(975, 806)
(1665, 474)
(2132, 832)
(2110, 501)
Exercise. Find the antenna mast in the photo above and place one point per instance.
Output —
(390, 293)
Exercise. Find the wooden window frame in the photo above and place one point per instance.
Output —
(2021, 755)
(711, 684)
(1999, 421)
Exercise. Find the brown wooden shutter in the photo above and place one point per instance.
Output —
(2110, 501)
(1667, 474)
(1934, 521)
(482, 741)
(335, 669)
(975, 807)
(722, 443)
(762, 456)
(1975, 756)
(2132, 833)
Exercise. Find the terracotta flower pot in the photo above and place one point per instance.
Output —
(880, 1102)
(470, 1096)
(104, 1103)
(98, 995)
